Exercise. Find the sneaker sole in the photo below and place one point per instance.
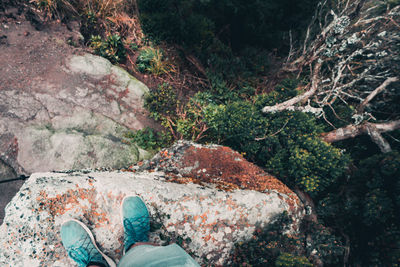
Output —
(110, 262)
(122, 216)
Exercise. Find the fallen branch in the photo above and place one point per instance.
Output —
(379, 89)
(289, 104)
(374, 130)
(378, 139)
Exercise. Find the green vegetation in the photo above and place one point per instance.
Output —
(183, 121)
(230, 37)
(152, 60)
(150, 140)
(286, 143)
(366, 208)
(111, 48)
(289, 260)
(272, 246)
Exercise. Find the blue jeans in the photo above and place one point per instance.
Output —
(147, 255)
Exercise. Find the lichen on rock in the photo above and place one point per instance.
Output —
(206, 220)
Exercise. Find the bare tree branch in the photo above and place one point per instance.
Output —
(357, 45)
(289, 104)
(379, 89)
(377, 138)
(374, 130)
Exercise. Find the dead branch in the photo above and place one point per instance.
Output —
(375, 92)
(197, 64)
(377, 138)
(289, 104)
(374, 130)
(352, 53)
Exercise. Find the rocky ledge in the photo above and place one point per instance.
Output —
(205, 198)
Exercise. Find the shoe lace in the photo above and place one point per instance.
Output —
(83, 252)
(137, 228)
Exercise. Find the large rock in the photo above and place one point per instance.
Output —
(63, 109)
(207, 212)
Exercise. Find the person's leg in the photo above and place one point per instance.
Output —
(138, 252)
(81, 247)
(136, 221)
(148, 255)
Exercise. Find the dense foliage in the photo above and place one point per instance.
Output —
(354, 186)
(237, 23)
(227, 34)
(285, 143)
(273, 246)
(366, 208)
(288, 145)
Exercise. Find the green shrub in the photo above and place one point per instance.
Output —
(134, 46)
(152, 60)
(111, 48)
(289, 260)
(150, 140)
(312, 163)
(366, 208)
(184, 121)
(267, 244)
(287, 143)
(162, 102)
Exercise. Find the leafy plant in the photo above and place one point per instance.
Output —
(290, 260)
(287, 143)
(152, 60)
(162, 101)
(365, 207)
(111, 48)
(313, 164)
(184, 121)
(134, 46)
(268, 244)
(149, 139)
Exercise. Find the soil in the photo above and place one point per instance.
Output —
(31, 48)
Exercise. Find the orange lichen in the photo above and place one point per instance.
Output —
(228, 169)
(72, 199)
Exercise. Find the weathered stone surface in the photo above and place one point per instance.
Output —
(75, 140)
(209, 220)
(61, 108)
(66, 111)
(6, 172)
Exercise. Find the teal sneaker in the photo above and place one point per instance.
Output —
(80, 245)
(136, 221)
